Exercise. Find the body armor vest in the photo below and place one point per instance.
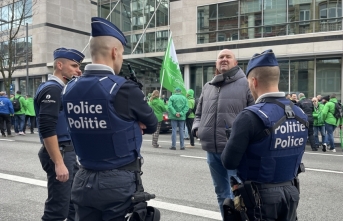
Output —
(276, 157)
(61, 127)
(101, 139)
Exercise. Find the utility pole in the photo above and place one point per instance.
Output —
(27, 58)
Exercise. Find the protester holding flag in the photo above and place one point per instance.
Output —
(221, 100)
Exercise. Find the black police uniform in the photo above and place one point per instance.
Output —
(102, 189)
(58, 205)
(278, 201)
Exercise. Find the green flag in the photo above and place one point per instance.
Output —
(170, 74)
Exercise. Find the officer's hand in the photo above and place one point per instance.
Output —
(177, 114)
(142, 126)
(62, 173)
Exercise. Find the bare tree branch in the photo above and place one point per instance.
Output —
(11, 49)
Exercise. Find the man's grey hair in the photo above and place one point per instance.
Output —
(301, 95)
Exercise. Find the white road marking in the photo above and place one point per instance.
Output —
(7, 140)
(23, 180)
(164, 141)
(306, 168)
(159, 204)
(324, 154)
(326, 171)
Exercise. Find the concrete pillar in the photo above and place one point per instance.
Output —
(186, 75)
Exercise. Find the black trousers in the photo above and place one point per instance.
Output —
(189, 124)
(32, 122)
(103, 195)
(277, 204)
(311, 134)
(58, 205)
(5, 118)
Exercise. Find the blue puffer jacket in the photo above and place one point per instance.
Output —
(6, 106)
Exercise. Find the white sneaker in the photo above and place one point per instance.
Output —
(22, 133)
(333, 150)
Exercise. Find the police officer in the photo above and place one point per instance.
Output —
(106, 116)
(267, 144)
(57, 154)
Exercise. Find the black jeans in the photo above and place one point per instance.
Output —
(311, 135)
(7, 119)
(32, 122)
(189, 124)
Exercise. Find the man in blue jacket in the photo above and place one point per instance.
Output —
(6, 109)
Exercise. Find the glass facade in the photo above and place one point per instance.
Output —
(34, 82)
(311, 76)
(19, 49)
(249, 19)
(133, 16)
(17, 9)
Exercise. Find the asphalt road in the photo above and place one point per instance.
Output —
(180, 180)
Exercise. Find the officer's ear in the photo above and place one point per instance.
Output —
(114, 52)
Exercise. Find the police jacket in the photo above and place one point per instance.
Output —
(261, 153)
(6, 106)
(221, 100)
(103, 113)
(49, 111)
(307, 106)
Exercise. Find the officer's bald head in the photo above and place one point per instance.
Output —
(108, 51)
(266, 76)
(100, 47)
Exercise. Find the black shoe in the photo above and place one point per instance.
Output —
(172, 148)
(4, 135)
(182, 148)
(314, 149)
(324, 147)
(186, 139)
(32, 132)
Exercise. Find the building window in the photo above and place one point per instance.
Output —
(266, 18)
(328, 76)
(302, 77)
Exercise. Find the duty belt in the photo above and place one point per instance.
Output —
(271, 185)
(65, 146)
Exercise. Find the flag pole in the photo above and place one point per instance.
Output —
(167, 51)
(161, 83)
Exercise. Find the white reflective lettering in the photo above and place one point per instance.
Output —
(98, 109)
(69, 107)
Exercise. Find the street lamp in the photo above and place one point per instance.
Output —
(26, 54)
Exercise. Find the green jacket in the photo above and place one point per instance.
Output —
(191, 102)
(22, 104)
(30, 111)
(317, 115)
(328, 111)
(177, 103)
(158, 107)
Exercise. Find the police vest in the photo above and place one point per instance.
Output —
(61, 127)
(102, 140)
(277, 156)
